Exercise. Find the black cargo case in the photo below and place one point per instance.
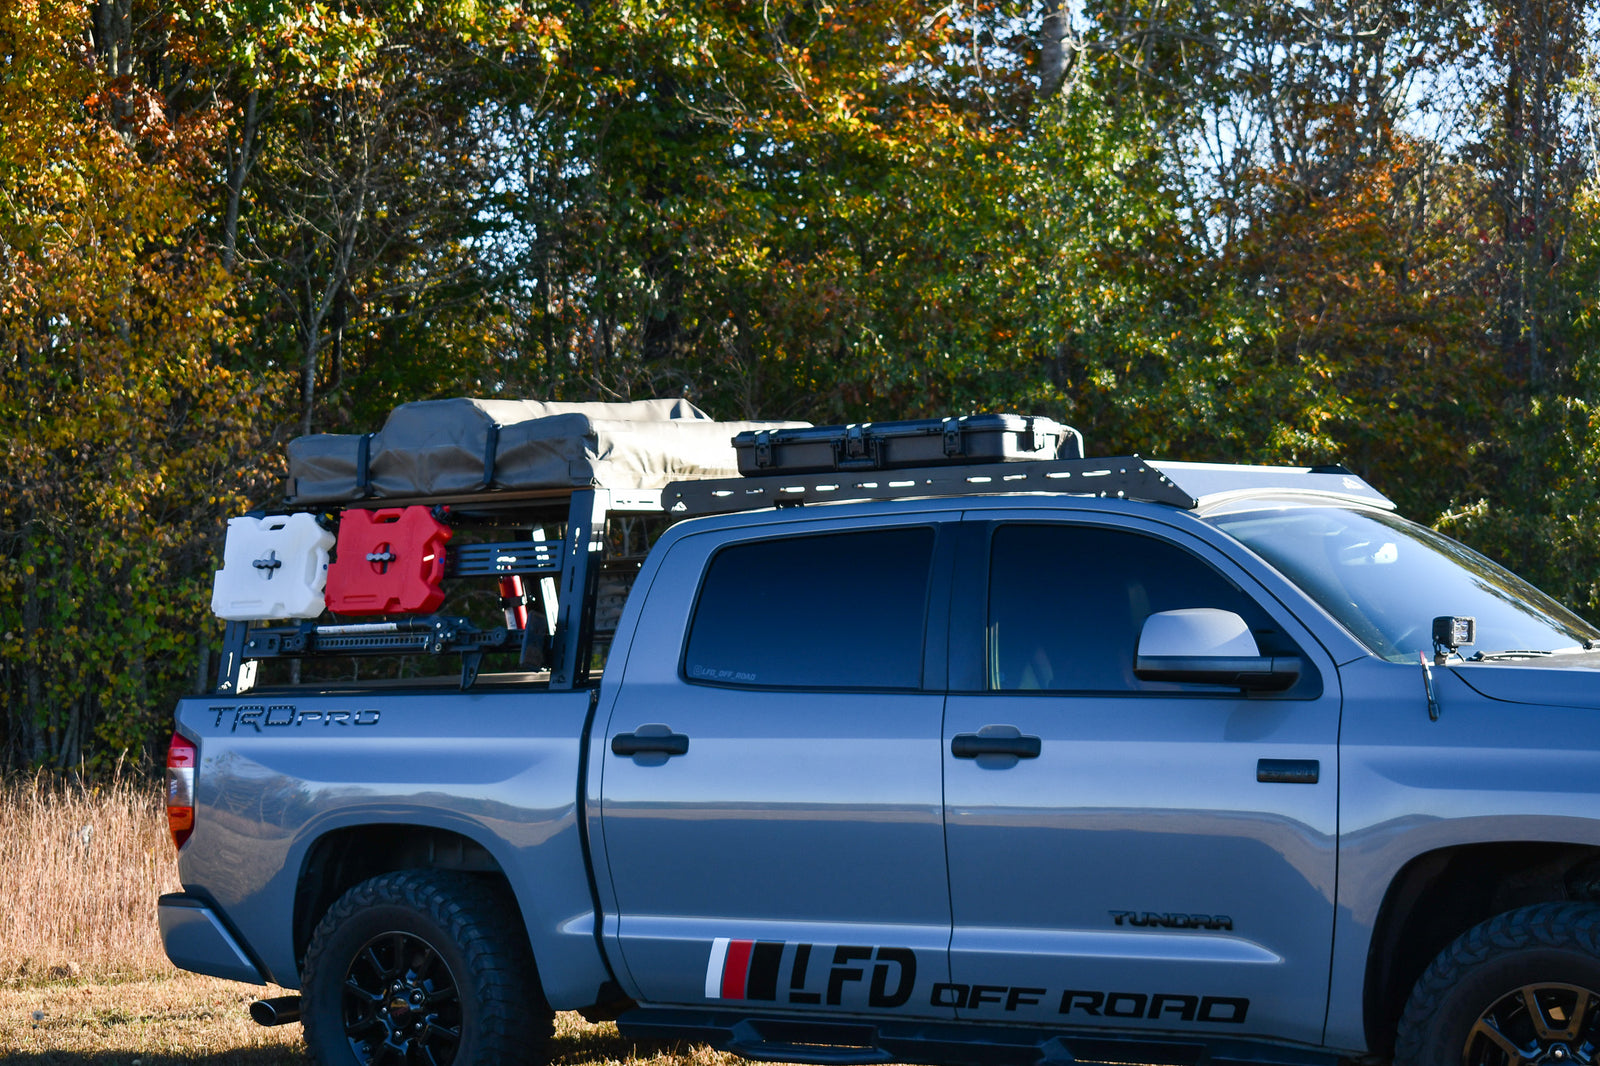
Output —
(898, 445)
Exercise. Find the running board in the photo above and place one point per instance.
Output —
(947, 1043)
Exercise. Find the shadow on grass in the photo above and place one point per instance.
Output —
(234, 1057)
(602, 1043)
(589, 1046)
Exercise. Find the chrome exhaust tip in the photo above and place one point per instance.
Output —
(280, 1010)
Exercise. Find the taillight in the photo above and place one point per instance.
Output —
(181, 758)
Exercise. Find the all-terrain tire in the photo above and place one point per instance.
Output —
(1521, 987)
(423, 966)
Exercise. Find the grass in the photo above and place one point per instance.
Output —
(80, 869)
(163, 1020)
(158, 1018)
(83, 979)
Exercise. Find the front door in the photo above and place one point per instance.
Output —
(1165, 862)
(787, 853)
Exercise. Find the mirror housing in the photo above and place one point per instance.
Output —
(1207, 646)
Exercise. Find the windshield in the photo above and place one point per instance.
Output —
(1387, 579)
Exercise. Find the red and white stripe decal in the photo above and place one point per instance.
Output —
(728, 968)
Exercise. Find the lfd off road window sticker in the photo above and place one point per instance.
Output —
(777, 971)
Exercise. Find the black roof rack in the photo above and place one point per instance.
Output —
(1122, 477)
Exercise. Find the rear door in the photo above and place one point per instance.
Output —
(772, 809)
(1166, 862)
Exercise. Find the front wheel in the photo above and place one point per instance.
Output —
(423, 967)
(1522, 989)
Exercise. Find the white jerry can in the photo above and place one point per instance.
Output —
(272, 567)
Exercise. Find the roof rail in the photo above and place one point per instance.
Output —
(1123, 477)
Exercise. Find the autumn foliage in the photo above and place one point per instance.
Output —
(125, 427)
(1365, 233)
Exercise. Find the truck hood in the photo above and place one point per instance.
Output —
(1565, 680)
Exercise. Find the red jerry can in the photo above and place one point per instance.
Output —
(390, 561)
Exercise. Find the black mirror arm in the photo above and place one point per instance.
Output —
(1261, 673)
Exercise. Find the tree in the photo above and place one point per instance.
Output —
(125, 439)
(363, 176)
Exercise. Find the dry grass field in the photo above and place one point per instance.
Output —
(80, 870)
(83, 979)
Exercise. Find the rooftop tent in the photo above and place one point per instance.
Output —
(459, 446)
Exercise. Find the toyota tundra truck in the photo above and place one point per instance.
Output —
(1023, 762)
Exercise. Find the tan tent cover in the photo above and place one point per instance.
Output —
(452, 447)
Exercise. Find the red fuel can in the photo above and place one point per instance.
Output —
(389, 561)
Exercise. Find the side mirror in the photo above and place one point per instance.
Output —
(1207, 646)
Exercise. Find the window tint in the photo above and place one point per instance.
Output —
(1386, 579)
(844, 610)
(1066, 604)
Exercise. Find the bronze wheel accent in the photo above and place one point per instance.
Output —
(1537, 1025)
(1521, 989)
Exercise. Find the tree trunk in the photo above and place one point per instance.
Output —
(318, 307)
(1053, 37)
(243, 157)
(336, 324)
(547, 304)
(308, 374)
(31, 717)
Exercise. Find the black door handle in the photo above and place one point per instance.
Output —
(644, 744)
(1288, 771)
(972, 745)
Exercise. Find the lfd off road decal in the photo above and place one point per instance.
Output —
(777, 971)
(755, 970)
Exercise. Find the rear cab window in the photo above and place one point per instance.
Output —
(839, 610)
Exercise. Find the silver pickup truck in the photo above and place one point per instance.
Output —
(1030, 763)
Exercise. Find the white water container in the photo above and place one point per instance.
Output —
(272, 567)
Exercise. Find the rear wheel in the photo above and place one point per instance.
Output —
(424, 967)
(1522, 989)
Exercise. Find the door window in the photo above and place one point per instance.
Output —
(1066, 604)
(838, 611)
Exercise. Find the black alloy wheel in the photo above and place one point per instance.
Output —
(1521, 989)
(424, 968)
(401, 1003)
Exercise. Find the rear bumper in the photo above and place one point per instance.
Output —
(195, 939)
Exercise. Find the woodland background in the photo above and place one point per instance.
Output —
(1293, 231)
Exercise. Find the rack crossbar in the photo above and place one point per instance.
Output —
(1126, 477)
